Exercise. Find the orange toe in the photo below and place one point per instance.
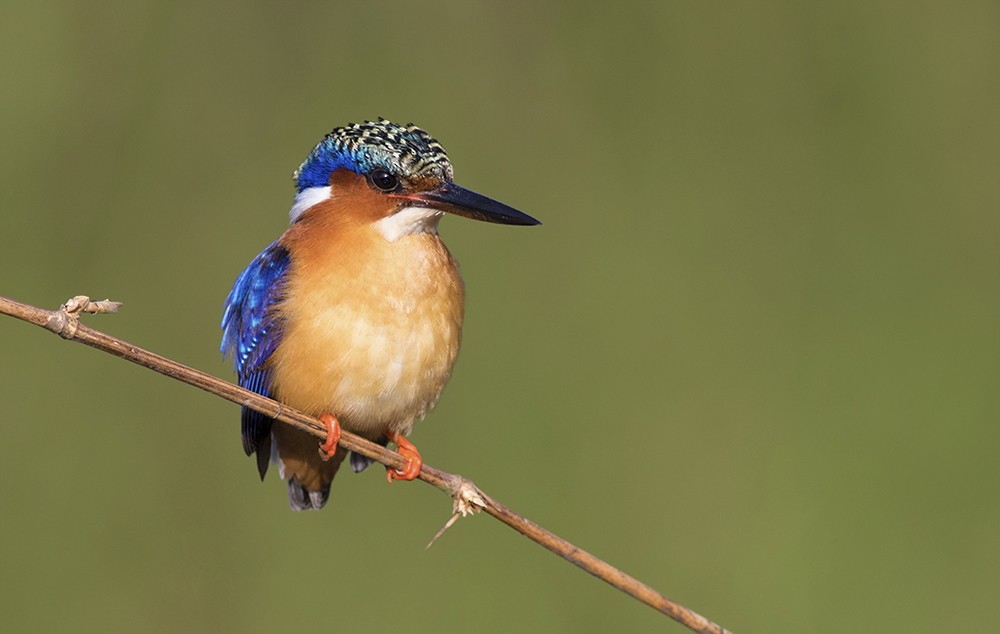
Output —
(329, 446)
(411, 469)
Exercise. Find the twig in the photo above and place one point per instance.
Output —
(467, 498)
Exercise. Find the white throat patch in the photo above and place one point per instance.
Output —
(307, 198)
(409, 220)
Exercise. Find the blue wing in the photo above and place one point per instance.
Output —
(251, 330)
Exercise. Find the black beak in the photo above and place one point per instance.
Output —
(463, 202)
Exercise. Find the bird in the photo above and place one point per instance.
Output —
(354, 314)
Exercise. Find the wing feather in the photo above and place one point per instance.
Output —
(251, 327)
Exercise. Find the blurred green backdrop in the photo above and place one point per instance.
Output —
(752, 357)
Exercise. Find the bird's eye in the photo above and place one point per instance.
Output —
(383, 180)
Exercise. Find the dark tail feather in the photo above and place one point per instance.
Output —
(256, 429)
(263, 455)
(302, 500)
(359, 463)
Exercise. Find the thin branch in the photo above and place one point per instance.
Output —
(467, 498)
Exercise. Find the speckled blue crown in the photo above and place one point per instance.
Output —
(362, 147)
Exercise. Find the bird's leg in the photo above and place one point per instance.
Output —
(329, 446)
(413, 460)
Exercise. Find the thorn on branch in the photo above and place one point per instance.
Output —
(65, 321)
(83, 304)
(466, 498)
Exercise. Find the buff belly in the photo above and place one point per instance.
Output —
(375, 346)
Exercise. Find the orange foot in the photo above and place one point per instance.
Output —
(413, 460)
(329, 446)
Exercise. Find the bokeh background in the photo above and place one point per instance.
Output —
(752, 357)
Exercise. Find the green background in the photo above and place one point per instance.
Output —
(752, 357)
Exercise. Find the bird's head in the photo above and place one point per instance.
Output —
(396, 177)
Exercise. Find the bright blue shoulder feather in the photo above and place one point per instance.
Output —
(251, 330)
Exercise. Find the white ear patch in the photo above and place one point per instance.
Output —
(307, 198)
(409, 220)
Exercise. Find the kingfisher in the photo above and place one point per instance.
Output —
(354, 315)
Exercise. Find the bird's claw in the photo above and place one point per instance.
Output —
(411, 469)
(329, 446)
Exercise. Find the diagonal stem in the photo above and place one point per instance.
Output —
(467, 497)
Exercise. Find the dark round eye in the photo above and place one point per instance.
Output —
(383, 180)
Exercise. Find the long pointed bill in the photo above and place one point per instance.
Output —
(463, 202)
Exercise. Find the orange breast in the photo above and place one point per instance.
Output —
(372, 327)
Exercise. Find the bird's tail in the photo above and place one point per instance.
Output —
(309, 485)
(302, 499)
(309, 476)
